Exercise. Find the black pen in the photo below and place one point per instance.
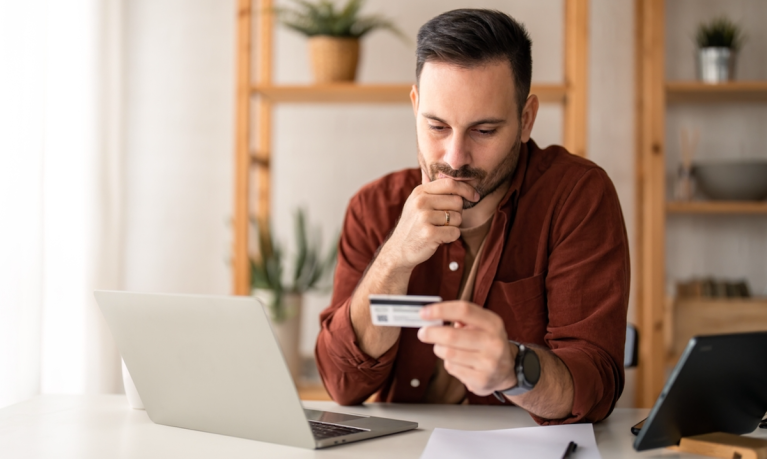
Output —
(570, 450)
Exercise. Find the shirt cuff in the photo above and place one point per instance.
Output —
(350, 375)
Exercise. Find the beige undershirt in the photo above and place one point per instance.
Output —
(443, 387)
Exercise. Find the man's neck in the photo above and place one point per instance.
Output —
(482, 212)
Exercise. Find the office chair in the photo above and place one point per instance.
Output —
(631, 351)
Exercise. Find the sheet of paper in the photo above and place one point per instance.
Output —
(546, 442)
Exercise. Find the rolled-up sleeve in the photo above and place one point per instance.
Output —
(349, 375)
(587, 287)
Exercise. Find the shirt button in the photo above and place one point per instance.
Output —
(415, 383)
(453, 266)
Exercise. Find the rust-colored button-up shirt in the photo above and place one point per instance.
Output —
(555, 268)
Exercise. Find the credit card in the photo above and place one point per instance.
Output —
(401, 310)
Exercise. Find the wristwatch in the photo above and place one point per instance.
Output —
(528, 370)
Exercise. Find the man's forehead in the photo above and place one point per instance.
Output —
(483, 90)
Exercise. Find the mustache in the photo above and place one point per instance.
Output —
(464, 172)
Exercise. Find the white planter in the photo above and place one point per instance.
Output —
(716, 65)
(134, 400)
(288, 331)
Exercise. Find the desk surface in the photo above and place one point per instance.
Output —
(99, 426)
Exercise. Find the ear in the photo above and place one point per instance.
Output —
(414, 99)
(529, 113)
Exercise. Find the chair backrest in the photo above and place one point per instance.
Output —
(631, 351)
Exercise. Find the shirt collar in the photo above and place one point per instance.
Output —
(517, 178)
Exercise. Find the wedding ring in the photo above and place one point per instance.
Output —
(447, 218)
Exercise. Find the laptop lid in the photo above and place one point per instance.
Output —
(718, 385)
(207, 363)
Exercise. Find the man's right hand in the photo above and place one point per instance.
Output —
(419, 232)
(421, 228)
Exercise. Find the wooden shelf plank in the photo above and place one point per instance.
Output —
(717, 207)
(370, 93)
(695, 91)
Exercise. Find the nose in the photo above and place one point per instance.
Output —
(457, 152)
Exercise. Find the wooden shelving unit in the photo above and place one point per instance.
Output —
(717, 207)
(654, 94)
(735, 91)
(256, 99)
(372, 93)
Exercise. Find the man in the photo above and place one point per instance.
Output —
(527, 248)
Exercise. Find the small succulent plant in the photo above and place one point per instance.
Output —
(323, 18)
(720, 32)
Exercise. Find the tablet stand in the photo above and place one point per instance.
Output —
(724, 445)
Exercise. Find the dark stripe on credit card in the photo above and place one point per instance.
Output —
(382, 301)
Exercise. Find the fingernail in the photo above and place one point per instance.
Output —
(421, 333)
(476, 196)
(425, 312)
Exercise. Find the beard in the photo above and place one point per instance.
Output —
(487, 182)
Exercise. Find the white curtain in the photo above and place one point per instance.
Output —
(60, 195)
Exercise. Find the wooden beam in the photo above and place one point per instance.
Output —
(240, 264)
(576, 75)
(732, 91)
(372, 93)
(718, 207)
(264, 113)
(652, 190)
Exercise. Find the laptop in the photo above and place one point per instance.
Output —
(211, 363)
(718, 385)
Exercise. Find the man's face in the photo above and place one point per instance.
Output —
(467, 124)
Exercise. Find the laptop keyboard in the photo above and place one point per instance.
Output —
(322, 430)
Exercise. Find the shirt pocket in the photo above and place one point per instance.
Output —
(522, 306)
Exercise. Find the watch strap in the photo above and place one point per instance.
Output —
(523, 385)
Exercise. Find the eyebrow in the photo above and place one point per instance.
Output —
(474, 123)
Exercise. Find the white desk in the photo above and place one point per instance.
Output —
(103, 426)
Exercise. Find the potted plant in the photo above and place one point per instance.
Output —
(334, 35)
(283, 300)
(718, 44)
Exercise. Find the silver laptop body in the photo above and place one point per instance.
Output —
(211, 363)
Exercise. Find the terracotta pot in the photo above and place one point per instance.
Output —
(334, 59)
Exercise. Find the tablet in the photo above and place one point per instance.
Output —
(719, 385)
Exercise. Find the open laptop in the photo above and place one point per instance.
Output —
(211, 363)
(718, 385)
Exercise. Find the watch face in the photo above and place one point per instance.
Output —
(531, 366)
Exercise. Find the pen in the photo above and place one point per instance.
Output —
(570, 450)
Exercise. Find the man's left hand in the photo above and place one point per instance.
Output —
(475, 349)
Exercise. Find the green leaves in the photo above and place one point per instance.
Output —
(721, 32)
(322, 18)
(309, 267)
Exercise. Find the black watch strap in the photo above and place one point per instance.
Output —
(523, 384)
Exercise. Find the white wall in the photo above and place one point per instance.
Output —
(179, 144)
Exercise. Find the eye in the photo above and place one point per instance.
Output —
(434, 127)
(487, 132)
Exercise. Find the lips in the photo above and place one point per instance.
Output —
(457, 179)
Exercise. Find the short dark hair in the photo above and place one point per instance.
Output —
(471, 37)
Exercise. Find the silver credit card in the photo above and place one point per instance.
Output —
(401, 310)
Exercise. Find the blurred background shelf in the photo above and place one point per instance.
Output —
(258, 94)
(717, 207)
(667, 103)
(695, 91)
(708, 316)
(371, 93)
